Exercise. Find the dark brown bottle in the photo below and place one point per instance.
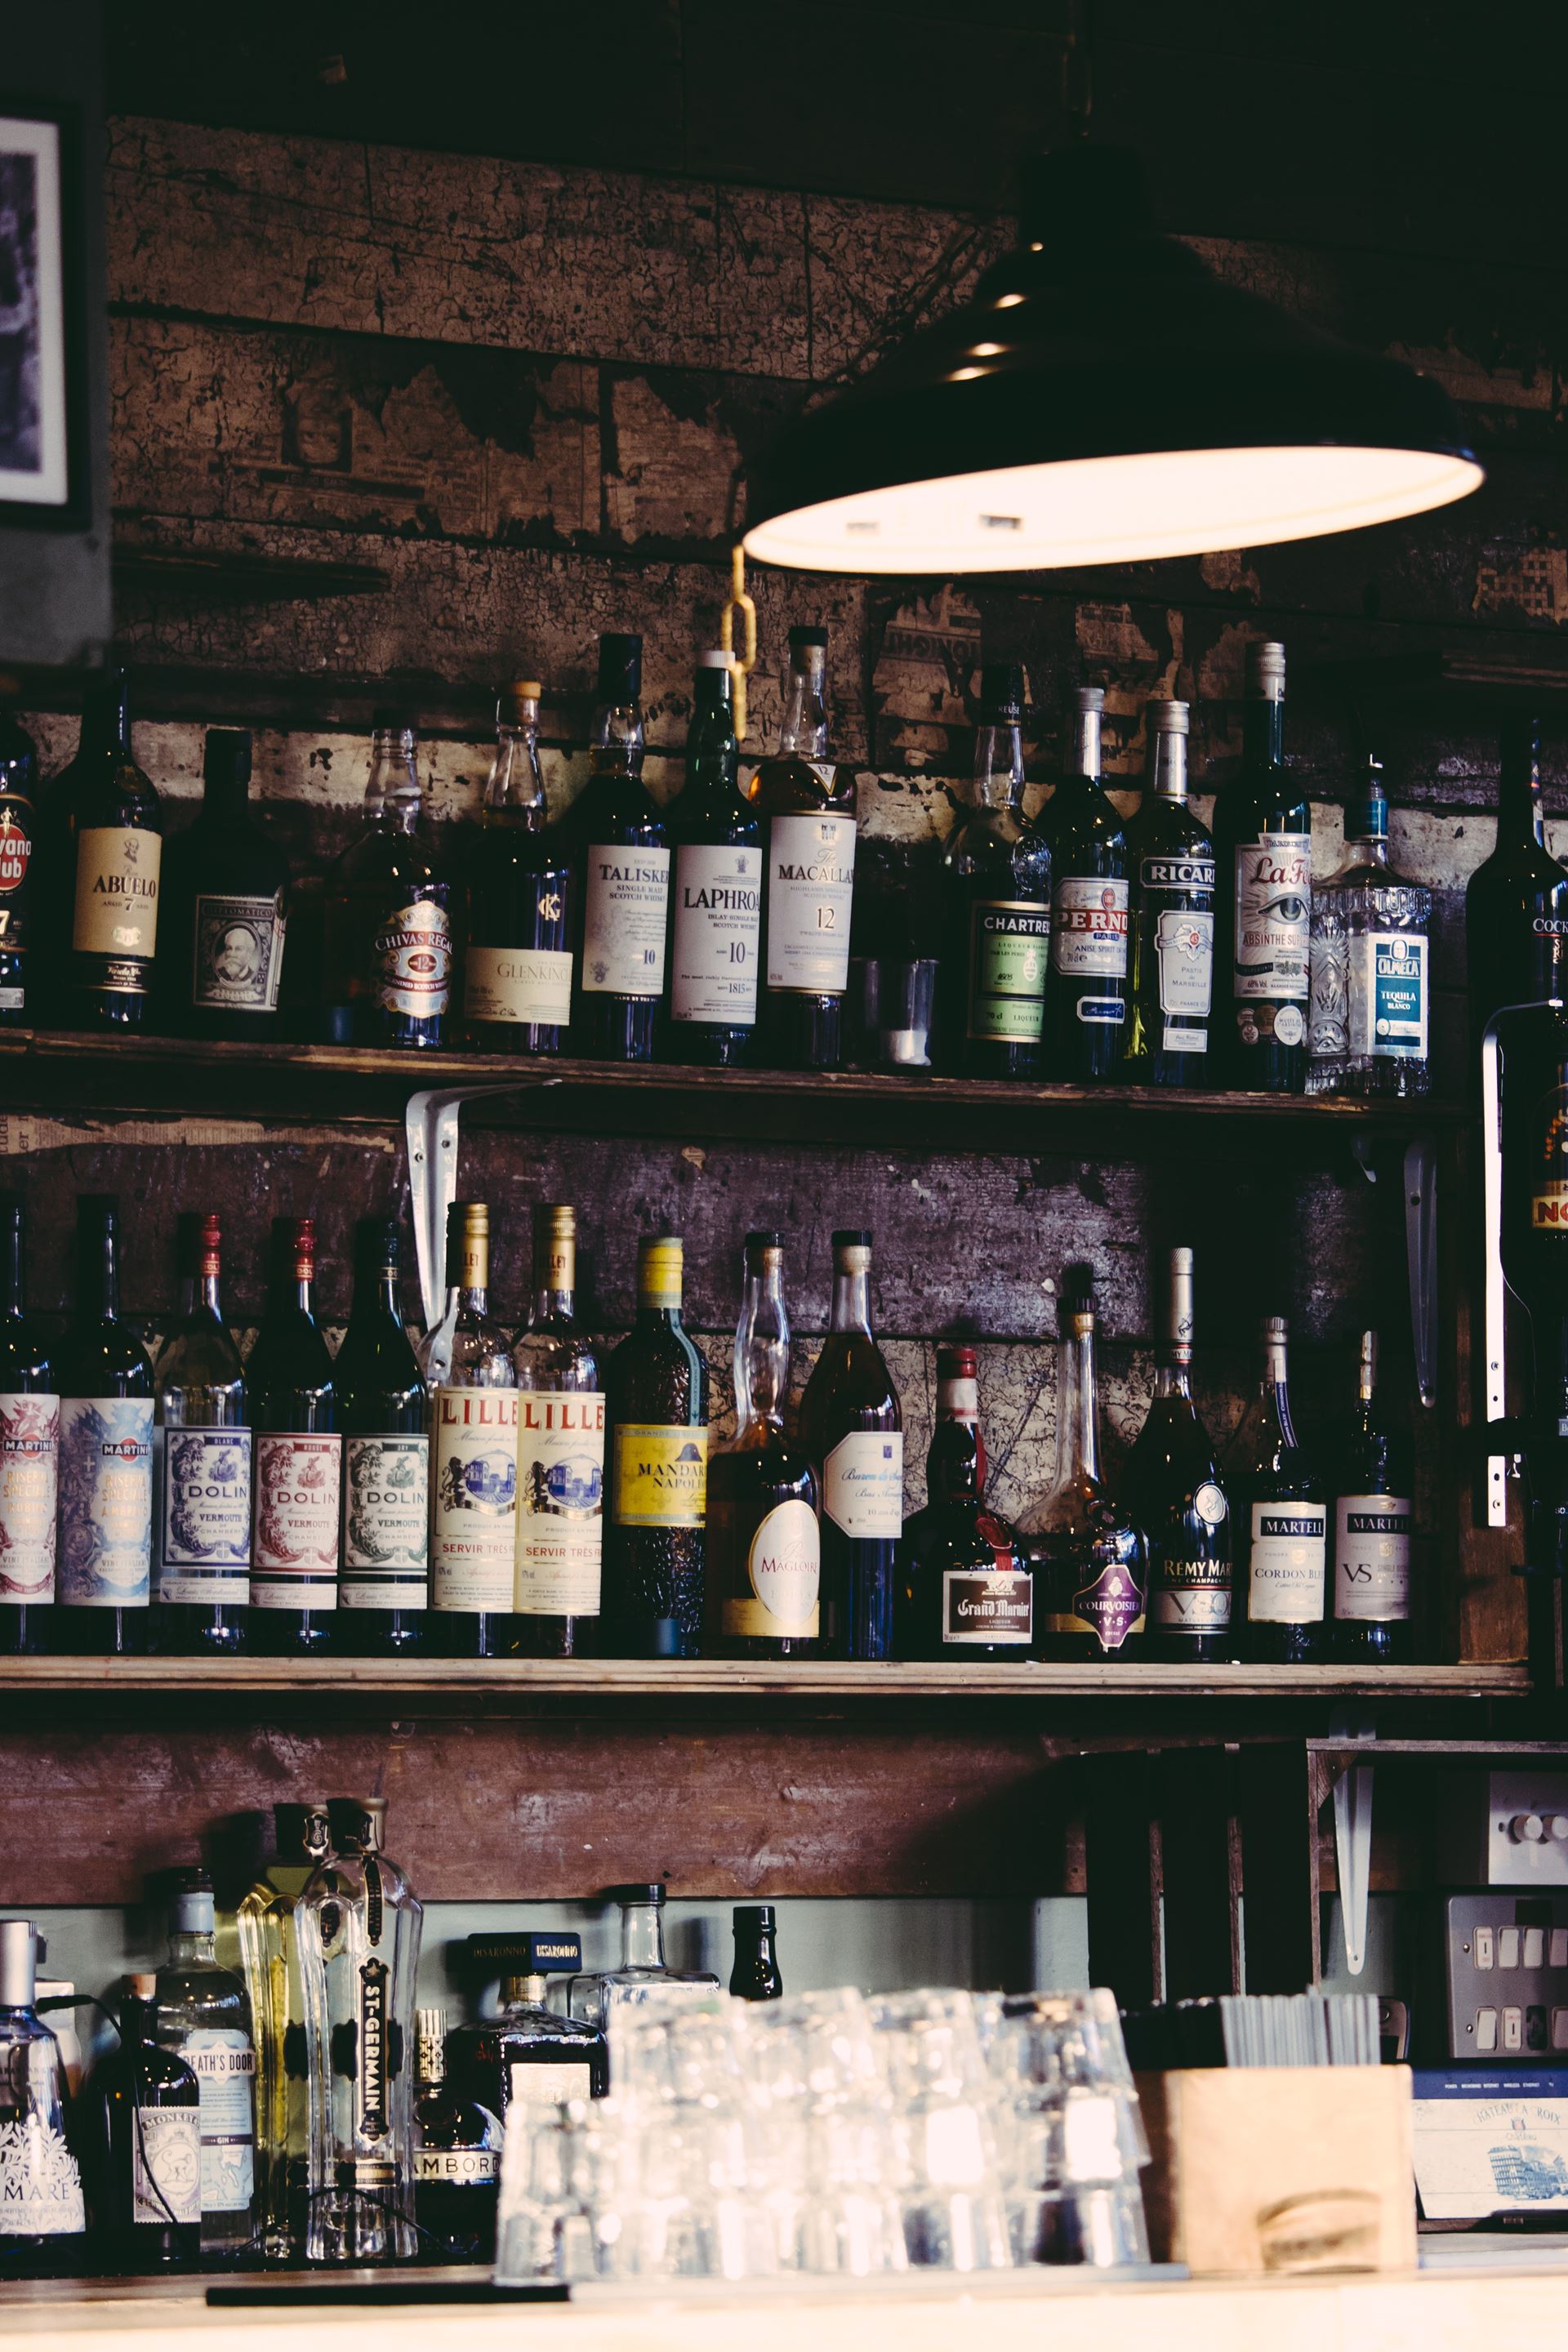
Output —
(965, 1588)
(225, 886)
(517, 954)
(656, 1399)
(765, 1552)
(807, 804)
(851, 1426)
(1178, 1499)
(755, 1975)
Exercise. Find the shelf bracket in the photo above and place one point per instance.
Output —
(1421, 1259)
(1352, 1834)
(430, 1124)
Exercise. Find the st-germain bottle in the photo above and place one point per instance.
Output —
(517, 955)
(29, 1454)
(996, 879)
(202, 1457)
(852, 1429)
(1090, 1555)
(1263, 859)
(715, 836)
(473, 1452)
(560, 1456)
(387, 913)
(1087, 995)
(1373, 1517)
(383, 1413)
(1174, 1493)
(201, 2013)
(43, 2232)
(1172, 872)
(807, 804)
(620, 851)
(1371, 964)
(102, 840)
(764, 1547)
(146, 2124)
(106, 1454)
(298, 1463)
(656, 1399)
(18, 889)
(220, 961)
(965, 1589)
(1281, 1522)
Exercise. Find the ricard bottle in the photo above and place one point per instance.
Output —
(1172, 873)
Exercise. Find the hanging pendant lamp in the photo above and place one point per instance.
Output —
(1103, 398)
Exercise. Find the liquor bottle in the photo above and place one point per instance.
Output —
(267, 1933)
(996, 884)
(597, 1993)
(1171, 857)
(359, 1925)
(965, 1589)
(716, 902)
(1278, 1502)
(764, 1545)
(1175, 1494)
(1089, 1557)
(1263, 858)
(1516, 903)
(517, 956)
(105, 1385)
(201, 2013)
(145, 2178)
(29, 1454)
(456, 2155)
(530, 2055)
(807, 804)
(226, 890)
(299, 1457)
(100, 838)
(620, 851)
(755, 1975)
(43, 2214)
(656, 1412)
(18, 795)
(1373, 1519)
(473, 1452)
(852, 1428)
(1087, 997)
(383, 1413)
(560, 1456)
(386, 916)
(1371, 964)
(201, 1464)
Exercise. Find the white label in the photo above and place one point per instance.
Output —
(1089, 926)
(624, 921)
(473, 1521)
(718, 921)
(166, 2165)
(532, 984)
(412, 955)
(203, 1516)
(1191, 1608)
(1175, 1039)
(784, 1563)
(224, 2064)
(386, 1522)
(1274, 919)
(559, 1502)
(991, 1606)
(1289, 1544)
(548, 2083)
(811, 890)
(106, 1502)
(863, 1483)
(457, 2168)
(1371, 1557)
(236, 954)
(299, 1487)
(1388, 995)
(41, 2188)
(29, 1496)
(1183, 943)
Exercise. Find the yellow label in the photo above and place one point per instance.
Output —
(661, 1476)
(660, 1267)
(117, 870)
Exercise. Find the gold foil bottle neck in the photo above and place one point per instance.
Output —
(554, 1246)
(469, 1245)
(660, 1265)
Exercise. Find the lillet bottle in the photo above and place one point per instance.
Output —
(473, 1452)
(559, 1560)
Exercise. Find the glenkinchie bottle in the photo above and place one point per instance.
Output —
(145, 2121)
(620, 849)
(1090, 1555)
(756, 1974)
(1263, 858)
(1175, 1494)
(102, 840)
(530, 2055)
(383, 1413)
(105, 1561)
(1281, 1521)
(387, 923)
(473, 1452)
(226, 887)
(43, 2216)
(807, 804)
(965, 1588)
(764, 1546)
(1172, 863)
(715, 908)
(201, 2013)
(852, 1430)
(655, 1396)
(298, 1467)
(1371, 964)
(201, 1464)
(19, 821)
(1516, 902)
(1087, 997)
(29, 1453)
(517, 954)
(560, 1456)
(996, 882)
(456, 2155)
(1374, 1514)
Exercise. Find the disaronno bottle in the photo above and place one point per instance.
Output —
(560, 1454)
(807, 804)
(473, 1455)
(851, 1425)
(656, 1387)
(764, 1547)
(104, 840)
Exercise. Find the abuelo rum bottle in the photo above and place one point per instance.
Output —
(1172, 872)
(996, 878)
(1089, 1557)
(620, 850)
(203, 1457)
(1373, 1514)
(29, 1453)
(1263, 859)
(1086, 1000)
(220, 959)
(106, 1454)
(560, 1456)
(473, 1451)
(965, 1588)
(852, 1427)
(298, 1457)
(517, 956)
(716, 902)
(807, 804)
(655, 1386)
(1281, 1521)
(764, 1549)
(101, 842)
(384, 1414)
(388, 912)
(1177, 1498)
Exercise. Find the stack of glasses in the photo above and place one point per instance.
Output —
(827, 2135)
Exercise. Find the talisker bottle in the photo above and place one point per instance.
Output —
(656, 1389)
(620, 849)
(473, 1451)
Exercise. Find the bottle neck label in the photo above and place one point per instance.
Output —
(559, 1502)
(236, 960)
(29, 1497)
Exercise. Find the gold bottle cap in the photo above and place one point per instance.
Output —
(469, 1245)
(660, 1265)
(554, 1246)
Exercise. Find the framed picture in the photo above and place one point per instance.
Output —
(42, 471)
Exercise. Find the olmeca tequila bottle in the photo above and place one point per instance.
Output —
(358, 1926)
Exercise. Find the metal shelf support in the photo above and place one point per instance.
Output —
(430, 1124)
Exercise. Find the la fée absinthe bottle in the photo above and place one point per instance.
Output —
(620, 852)
(383, 1413)
(473, 1451)
(18, 881)
(1263, 860)
(298, 1457)
(852, 1429)
(1171, 857)
(1371, 964)
(387, 913)
(1089, 1557)
(807, 804)
(997, 880)
(105, 1563)
(201, 1455)
(1281, 1518)
(1176, 1496)
(656, 1395)
(517, 954)
(1087, 996)
(764, 1548)
(965, 1588)
(560, 1456)
(29, 1453)
(1374, 1514)
(715, 919)
(220, 962)
(101, 840)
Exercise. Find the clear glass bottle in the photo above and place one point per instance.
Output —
(807, 804)
(467, 1364)
(386, 910)
(852, 1432)
(764, 1541)
(996, 882)
(201, 1475)
(1280, 1521)
(203, 2014)
(1172, 867)
(1372, 971)
(43, 2214)
(358, 1924)
(560, 1454)
(457, 2156)
(620, 849)
(517, 956)
(29, 1453)
(1090, 1558)
(1177, 1497)
(597, 1993)
(268, 1943)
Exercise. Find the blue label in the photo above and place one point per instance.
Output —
(207, 1498)
(1388, 995)
(106, 1502)
(1107, 1009)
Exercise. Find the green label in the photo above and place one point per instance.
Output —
(1009, 950)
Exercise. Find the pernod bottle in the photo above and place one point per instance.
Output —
(560, 1456)
(620, 849)
(764, 1547)
(29, 1453)
(106, 1454)
(473, 1452)
(1263, 856)
(516, 958)
(383, 1413)
(202, 1453)
(807, 803)
(1373, 1514)
(852, 1427)
(1087, 998)
(655, 1386)
(1172, 869)
(716, 903)
(1177, 1498)
(1282, 1522)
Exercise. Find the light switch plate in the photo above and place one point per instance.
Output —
(1496, 2007)
(1512, 1829)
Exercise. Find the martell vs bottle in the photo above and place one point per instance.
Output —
(1372, 1516)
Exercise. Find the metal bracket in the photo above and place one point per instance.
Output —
(1421, 1259)
(1494, 1316)
(1352, 1834)
(430, 1124)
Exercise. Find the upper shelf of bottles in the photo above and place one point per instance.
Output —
(47, 1070)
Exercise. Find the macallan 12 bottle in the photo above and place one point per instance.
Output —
(807, 804)
(560, 1456)
(29, 1454)
(764, 1548)
(1176, 1496)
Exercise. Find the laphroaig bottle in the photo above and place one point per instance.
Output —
(656, 1389)
(1263, 858)
(18, 794)
(100, 845)
(620, 850)
(29, 1453)
(1087, 999)
(473, 1451)
(203, 2014)
(965, 1588)
(1281, 1522)
(298, 1456)
(996, 879)
(202, 1455)
(716, 900)
(387, 923)
(1172, 872)
(383, 1412)
(807, 804)
(225, 885)
(1372, 1517)
(517, 956)
(1176, 1496)
(1090, 1555)
(105, 1565)
(560, 1456)
(1371, 964)
(852, 1430)
(764, 1547)
(43, 2213)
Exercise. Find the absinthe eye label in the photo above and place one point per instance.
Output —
(783, 1568)
(625, 912)
(811, 891)
(863, 1483)
(386, 1522)
(1286, 1572)
(106, 1502)
(203, 1516)
(559, 1502)
(1274, 917)
(718, 921)
(473, 1513)
(299, 1489)
(1371, 1557)
(29, 1497)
